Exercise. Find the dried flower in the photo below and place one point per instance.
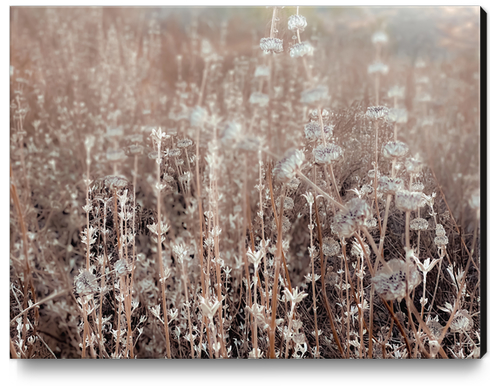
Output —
(231, 131)
(398, 115)
(262, 71)
(269, 45)
(396, 91)
(183, 143)
(419, 224)
(294, 297)
(371, 223)
(441, 240)
(313, 115)
(395, 149)
(288, 203)
(327, 154)
(440, 231)
(85, 283)
(173, 152)
(408, 201)
(286, 169)
(357, 250)
(351, 218)
(413, 165)
(379, 37)
(297, 23)
(367, 189)
(115, 155)
(462, 321)
(301, 49)
(390, 281)
(389, 185)
(378, 68)
(417, 187)
(377, 112)
(315, 96)
(330, 247)
(313, 131)
(122, 267)
(435, 327)
(197, 116)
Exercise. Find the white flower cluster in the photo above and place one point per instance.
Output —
(271, 45)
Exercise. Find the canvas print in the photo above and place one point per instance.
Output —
(245, 183)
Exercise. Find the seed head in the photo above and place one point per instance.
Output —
(440, 241)
(314, 115)
(396, 91)
(198, 115)
(413, 165)
(286, 169)
(301, 49)
(231, 131)
(408, 201)
(419, 224)
(440, 231)
(262, 71)
(417, 187)
(330, 247)
(377, 112)
(395, 149)
(389, 185)
(85, 283)
(351, 218)
(327, 154)
(462, 321)
(379, 37)
(297, 23)
(398, 115)
(378, 68)
(184, 143)
(269, 45)
(313, 131)
(390, 282)
(122, 267)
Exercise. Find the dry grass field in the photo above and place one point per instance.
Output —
(245, 183)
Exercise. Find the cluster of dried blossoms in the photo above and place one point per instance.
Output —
(180, 226)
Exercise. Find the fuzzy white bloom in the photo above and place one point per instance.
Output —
(377, 112)
(269, 45)
(395, 149)
(396, 91)
(378, 68)
(286, 169)
(315, 96)
(301, 49)
(379, 37)
(85, 283)
(390, 185)
(297, 23)
(408, 201)
(313, 131)
(262, 71)
(419, 224)
(327, 154)
(390, 282)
